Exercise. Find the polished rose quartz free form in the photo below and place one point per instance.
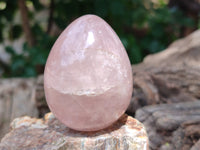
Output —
(88, 77)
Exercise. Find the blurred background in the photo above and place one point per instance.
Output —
(28, 28)
(167, 84)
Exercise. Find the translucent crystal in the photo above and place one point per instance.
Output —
(88, 77)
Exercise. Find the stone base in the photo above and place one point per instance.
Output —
(49, 134)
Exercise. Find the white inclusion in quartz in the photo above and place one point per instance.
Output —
(90, 39)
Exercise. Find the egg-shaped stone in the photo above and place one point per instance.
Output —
(88, 77)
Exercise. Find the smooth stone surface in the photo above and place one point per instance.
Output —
(49, 134)
(88, 77)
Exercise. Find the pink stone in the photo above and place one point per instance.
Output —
(88, 77)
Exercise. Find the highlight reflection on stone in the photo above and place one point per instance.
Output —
(88, 77)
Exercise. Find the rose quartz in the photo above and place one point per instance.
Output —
(88, 77)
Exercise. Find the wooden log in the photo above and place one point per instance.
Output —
(173, 126)
(16, 100)
(171, 76)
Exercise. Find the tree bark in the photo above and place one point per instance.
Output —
(25, 22)
(50, 20)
